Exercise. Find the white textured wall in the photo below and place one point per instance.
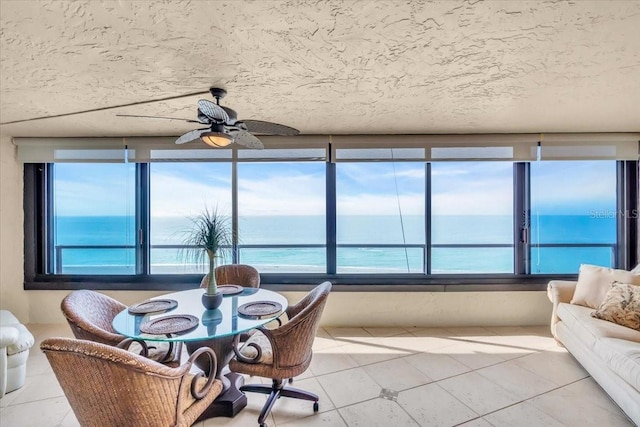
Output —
(343, 309)
(375, 308)
(12, 296)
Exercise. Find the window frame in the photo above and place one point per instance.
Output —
(37, 225)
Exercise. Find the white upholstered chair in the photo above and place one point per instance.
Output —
(15, 342)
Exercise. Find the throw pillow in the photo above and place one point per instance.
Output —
(621, 305)
(636, 269)
(594, 282)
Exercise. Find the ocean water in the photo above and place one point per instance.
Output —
(106, 244)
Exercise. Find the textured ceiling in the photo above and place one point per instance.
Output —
(335, 67)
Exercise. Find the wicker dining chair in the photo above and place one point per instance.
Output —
(284, 352)
(236, 274)
(110, 387)
(90, 314)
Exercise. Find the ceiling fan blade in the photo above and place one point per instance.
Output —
(269, 128)
(191, 135)
(213, 111)
(111, 107)
(160, 117)
(243, 137)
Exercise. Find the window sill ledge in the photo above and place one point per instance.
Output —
(297, 282)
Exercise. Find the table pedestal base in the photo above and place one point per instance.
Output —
(230, 402)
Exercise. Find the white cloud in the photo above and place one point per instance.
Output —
(177, 196)
(282, 195)
(550, 189)
(449, 172)
(94, 199)
(488, 202)
(410, 173)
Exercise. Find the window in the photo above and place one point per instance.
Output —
(93, 219)
(472, 217)
(380, 217)
(439, 212)
(282, 222)
(573, 215)
(179, 191)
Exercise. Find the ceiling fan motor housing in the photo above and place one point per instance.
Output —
(220, 128)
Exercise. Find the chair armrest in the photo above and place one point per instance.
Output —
(237, 345)
(126, 343)
(8, 335)
(561, 290)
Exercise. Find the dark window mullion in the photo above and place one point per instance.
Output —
(627, 216)
(331, 218)
(633, 183)
(427, 219)
(235, 250)
(48, 230)
(143, 210)
(619, 256)
(521, 217)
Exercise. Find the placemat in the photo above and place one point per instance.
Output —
(259, 308)
(153, 306)
(172, 324)
(230, 289)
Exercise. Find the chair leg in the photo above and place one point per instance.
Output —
(296, 393)
(266, 409)
(257, 388)
(275, 391)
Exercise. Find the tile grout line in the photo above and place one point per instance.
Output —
(396, 357)
(525, 401)
(536, 351)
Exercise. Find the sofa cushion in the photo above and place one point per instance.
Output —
(621, 305)
(594, 282)
(578, 319)
(622, 357)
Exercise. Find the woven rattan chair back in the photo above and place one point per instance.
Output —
(293, 341)
(290, 345)
(110, 387)
(237, 274)
(90, 314)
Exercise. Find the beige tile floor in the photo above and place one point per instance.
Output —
(472, 377)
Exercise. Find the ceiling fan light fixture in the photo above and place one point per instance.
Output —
(216, 139)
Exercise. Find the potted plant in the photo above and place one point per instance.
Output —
(209, 233)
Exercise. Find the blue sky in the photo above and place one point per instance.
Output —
(572, 187)
(467, 188)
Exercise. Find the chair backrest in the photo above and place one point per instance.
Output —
(238, 274)
(90, 314)
(107, 386)
(295, 338)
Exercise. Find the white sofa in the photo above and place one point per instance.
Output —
(609, 352)
(15, 342)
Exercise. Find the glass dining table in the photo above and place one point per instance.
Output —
(212, 328)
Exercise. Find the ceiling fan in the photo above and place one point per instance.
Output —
(223, 127)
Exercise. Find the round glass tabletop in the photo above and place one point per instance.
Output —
(224, 321)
